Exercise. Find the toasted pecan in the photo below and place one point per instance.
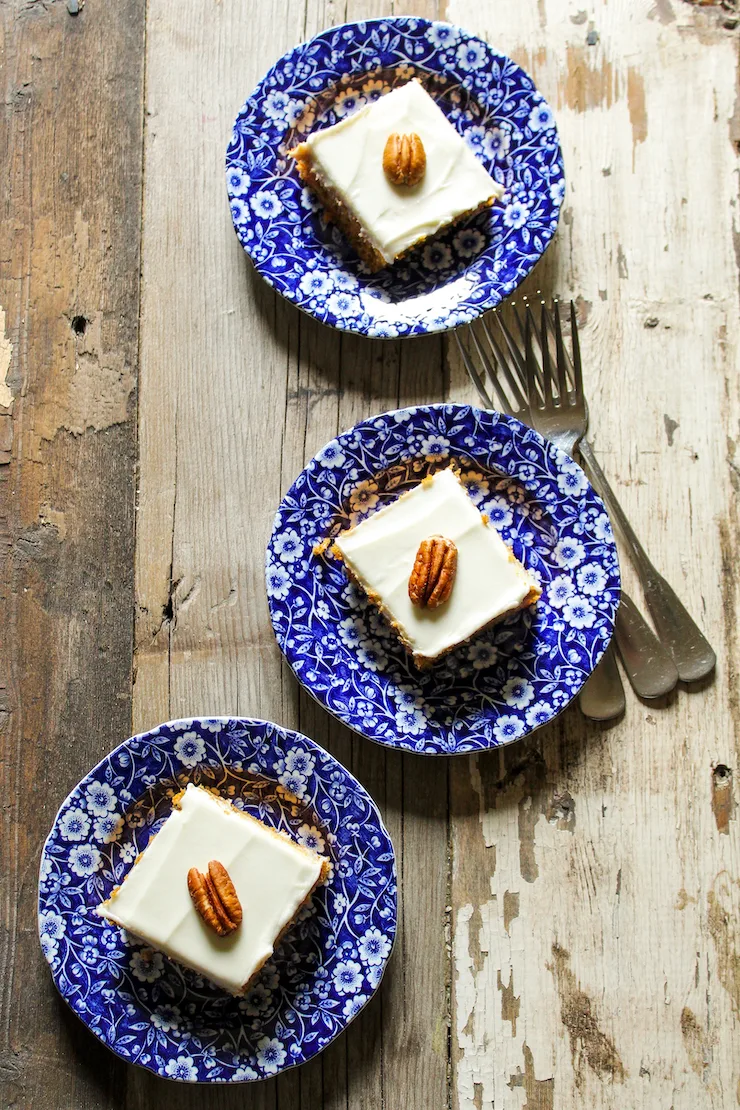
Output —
(404, 159)
(433, 576)
(215, 898)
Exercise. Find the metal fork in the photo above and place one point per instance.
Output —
(562, 416)
(602, 697)
(691, 652)
(651, 672)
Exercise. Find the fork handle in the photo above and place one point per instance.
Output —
(602, 697)
(649, 667)
(690, 649)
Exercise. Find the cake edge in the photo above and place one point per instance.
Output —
(320, 881)
(424, 662)
(336, 211)
(226, 804)
(339, 212)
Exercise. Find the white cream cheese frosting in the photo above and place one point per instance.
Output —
(380, 552)
(349, 158)
(272, 877)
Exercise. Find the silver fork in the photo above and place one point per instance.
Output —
(678, 632)
(602, 697)
(650, 669)
(561, 414)
(692, 654)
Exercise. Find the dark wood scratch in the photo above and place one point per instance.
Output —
(723, 803)
(510, 1002)
(539, 1092)
(722, 919)
(587, 1041)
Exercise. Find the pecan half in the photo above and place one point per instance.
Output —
(215, 898)
(433, 576)
(404, 159)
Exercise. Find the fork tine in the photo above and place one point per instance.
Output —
(511, 343)
(546, 360)
(553, 320)
(539, 378)
(519, 323)
(562, 357)
(530, 360)
(474, 375)
(577, 371)
(516, 349)
(490, 369)
(513, 379)
(550, 326)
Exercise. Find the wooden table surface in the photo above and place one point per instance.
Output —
(569, 907)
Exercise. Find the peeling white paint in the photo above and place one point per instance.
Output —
(633, 901)
(6, 353)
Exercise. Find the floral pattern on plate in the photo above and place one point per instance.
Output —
(504, 683)
(150, 1010)
(452, 278)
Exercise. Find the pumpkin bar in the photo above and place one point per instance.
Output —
(211, 863)
(393, 174)
(437, 595)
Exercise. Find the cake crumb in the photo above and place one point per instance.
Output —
(322, 547)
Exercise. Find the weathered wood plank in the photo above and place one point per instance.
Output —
(318, 382)
(596, 871)
(70, 166)
(215, 356)
(594, 887)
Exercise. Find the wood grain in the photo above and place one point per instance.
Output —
(568, 908)
(250, 391)
(593, 964)
(70, 157)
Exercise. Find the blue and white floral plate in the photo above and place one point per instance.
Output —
(503, 684)
(150, 1010)
(451, 279)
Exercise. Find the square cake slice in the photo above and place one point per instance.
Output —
(344, 166)
(272, 876)
(487, 582)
